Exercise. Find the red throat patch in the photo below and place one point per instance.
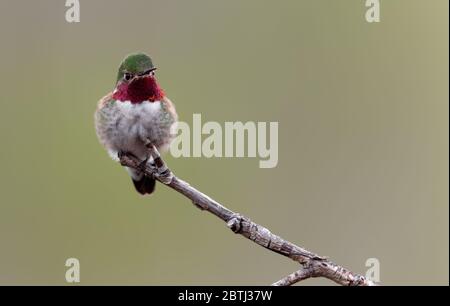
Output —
(139, 90)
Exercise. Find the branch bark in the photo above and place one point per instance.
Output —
(297, 276)
(313, 265)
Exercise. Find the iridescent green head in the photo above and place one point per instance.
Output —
(138, 64)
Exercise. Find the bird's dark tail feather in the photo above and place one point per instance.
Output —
(146, 185)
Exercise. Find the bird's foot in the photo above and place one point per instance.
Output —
(143, 164)
(124, 157)
(160, 170)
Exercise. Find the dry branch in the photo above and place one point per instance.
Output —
(312, 264)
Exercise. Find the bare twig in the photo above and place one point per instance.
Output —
(313, 264)
(304, 273)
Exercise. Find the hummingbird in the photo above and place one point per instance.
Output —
(135, 112)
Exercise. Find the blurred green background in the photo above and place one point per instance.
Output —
(363, 139)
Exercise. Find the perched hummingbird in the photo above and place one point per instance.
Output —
(137, 110)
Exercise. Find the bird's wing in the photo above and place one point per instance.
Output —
(103, 101)
(170, 108)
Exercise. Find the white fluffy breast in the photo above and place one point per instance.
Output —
(131, 124)
(141, 110)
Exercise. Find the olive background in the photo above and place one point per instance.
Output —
(363, 140)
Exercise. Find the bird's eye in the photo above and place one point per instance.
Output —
(152, 72)
(127, 76)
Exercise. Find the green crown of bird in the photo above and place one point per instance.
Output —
(135, 112)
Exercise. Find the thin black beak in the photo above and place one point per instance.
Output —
(147, 72)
